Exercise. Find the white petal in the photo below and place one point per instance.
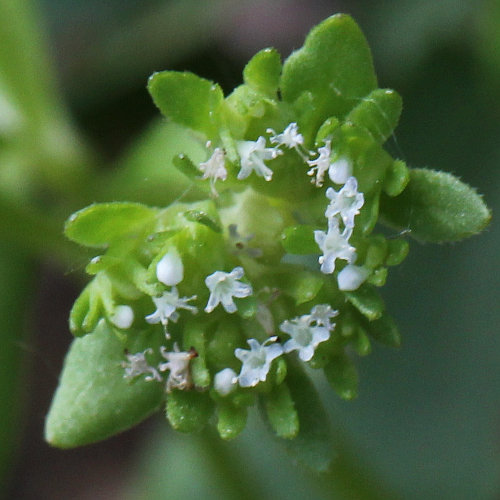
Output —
(225, 381)
(123, 317)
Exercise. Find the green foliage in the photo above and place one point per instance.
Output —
(219, 298)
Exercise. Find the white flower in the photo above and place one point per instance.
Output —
(321, 315)
(351, 277)
(304, 337)
(290, 137)
(167, 305)
(169, 269)
(257, 361)
(346, 202)
(178, 364)
(223, 287)
(225, 381)
(321, 164)
(214, 168)
(334, 245)
(137, 364)
(252, 155)
(340, 170)
(123, 317)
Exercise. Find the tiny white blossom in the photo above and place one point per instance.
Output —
(178, 365)
(351, 277)
(223, 287)
(123, 317)
(334, 245)
(137, 364)
(215, 167)
(225, 381)
(346, 202)
(321, 164)
(304, 337)
(167, 305)
(340, 170)
(170, 270)
(321, 315)
(252, 155)
(257, 361)
(290, 137)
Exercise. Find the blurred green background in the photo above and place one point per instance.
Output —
(427, 422)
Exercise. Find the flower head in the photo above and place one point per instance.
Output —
(340, 170)
(167, 305)
(346, 202)
(225, 381)
(223, 287)
(123, 317)
(178, 366)
(252, 155)
(351, 277)
(257, 361)
(334, 245)
(321, 164)
(304, 337)
(137, 364)
(321, 315)
(215, 167)
(290, 137)
(169, 269)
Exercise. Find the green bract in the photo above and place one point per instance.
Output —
(211, 306)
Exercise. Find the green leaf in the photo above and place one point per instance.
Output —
(385, 331)
(342, 376)
(313, 445)
(436, 207)
(378, 113)
(93, 400)
(263, 71)
(101, 223)
(335, 66)
(188, 411)
(187, 99)
(281, 412)
(299, 240)
(367, 301)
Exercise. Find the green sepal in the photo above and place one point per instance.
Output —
(325, 132)
(247, 306)
(313, 446)
(231, 419)
(396, 178)
(93, 400)
(281, 413)
(334, 65)
(378, 113)
(189, 411)
(299, 240)
(385, 331)
(85, 313)
(186, 166)
(342, 375)
(203, 218)
(436, 207)
(302, 286)
(397, 250)
(378, 277)
(367, 301)
(263, 71)
(102, 223)
(376, 252)
(193, 336)
(361, 342)
(187, 99)
(220, 349)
